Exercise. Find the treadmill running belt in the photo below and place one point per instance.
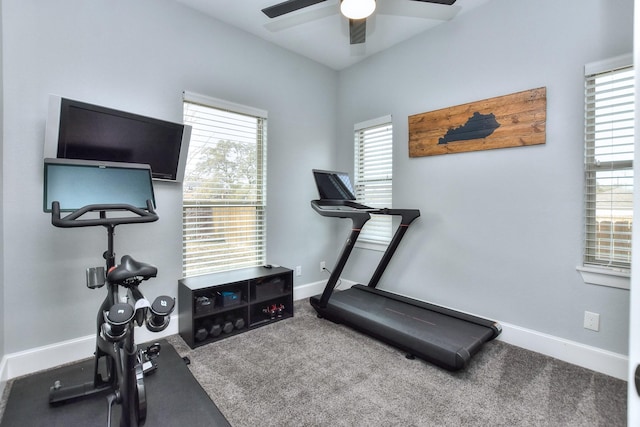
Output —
(439, 338)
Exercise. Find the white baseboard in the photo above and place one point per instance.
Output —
(3, 375)
(37, 359)
(606, 362)
(316, 288)
(589, 357)
(596, 359)
(48, 356)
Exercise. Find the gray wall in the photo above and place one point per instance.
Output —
(500, 232)
(139, 56)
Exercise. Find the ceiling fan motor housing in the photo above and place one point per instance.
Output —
(356, 10)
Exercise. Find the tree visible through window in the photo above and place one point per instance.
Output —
(224, 190)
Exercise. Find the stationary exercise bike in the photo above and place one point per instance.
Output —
(119, 365)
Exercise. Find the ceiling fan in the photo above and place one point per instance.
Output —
(357, 11)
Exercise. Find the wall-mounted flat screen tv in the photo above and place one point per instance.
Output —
(83, 131)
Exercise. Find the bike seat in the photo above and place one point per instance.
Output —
(128, 269)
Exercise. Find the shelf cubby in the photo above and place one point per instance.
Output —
(216, 306)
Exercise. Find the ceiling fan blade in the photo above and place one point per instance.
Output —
(300, 18)
(288, 6)
(447, 2)
(357, 30)
(418, 9)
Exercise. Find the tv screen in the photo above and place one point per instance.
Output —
(78, 130)
(78, 183)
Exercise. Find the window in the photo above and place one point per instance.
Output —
(609, 139)
(373, 176)
(224, 190)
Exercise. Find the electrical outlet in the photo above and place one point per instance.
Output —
(591, 321)
(323, 266)
(299, 270)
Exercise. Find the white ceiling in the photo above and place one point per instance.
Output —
(321, 33)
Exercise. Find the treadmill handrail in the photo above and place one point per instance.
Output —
(329, 207)
(325, 203)
(359, 215)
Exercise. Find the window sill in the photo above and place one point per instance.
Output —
(603, 276)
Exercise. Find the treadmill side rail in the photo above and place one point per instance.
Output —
(359, 215)
(495, 327)
(407, 217)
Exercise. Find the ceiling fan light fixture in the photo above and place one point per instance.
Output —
(357, 9)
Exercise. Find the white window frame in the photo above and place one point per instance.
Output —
(215, 226)
(594, 270)
(373, 178)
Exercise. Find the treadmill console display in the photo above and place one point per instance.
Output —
(333, 185)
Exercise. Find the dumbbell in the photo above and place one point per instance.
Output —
(116, 320)
(270, 311)
(237, 322)
(215, 329)
(227, 326)
(201, 334)
(159, 312)
(202, 331)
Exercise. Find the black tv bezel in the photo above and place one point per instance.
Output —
(57, 124)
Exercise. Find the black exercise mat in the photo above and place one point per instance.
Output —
(174, 398)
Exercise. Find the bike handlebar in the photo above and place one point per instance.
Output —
(73, 219)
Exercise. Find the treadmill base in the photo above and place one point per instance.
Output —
(444, 337)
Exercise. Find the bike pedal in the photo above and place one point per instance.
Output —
(149, 367)
(152, 351)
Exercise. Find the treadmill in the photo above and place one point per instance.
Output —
(439, 335)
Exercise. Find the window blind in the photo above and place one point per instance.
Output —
(373, 175)
(224, 190)
(609, 151)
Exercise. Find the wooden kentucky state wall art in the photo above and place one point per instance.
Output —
(506, 121)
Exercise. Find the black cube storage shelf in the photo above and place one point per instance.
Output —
(216, 306)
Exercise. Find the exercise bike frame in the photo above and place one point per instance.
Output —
(124, 371)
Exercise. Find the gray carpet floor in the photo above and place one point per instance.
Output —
(306, 371)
